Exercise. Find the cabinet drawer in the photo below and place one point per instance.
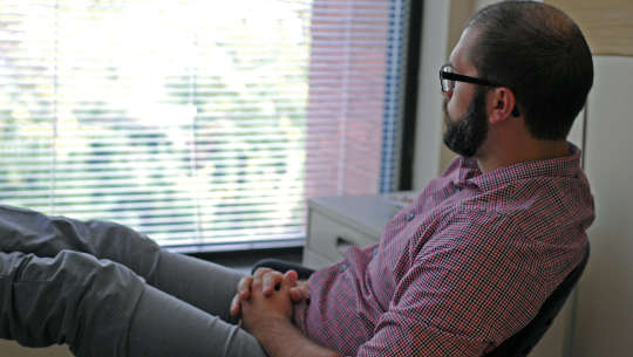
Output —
(330, 238)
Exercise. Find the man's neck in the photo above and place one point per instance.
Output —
(533, 151)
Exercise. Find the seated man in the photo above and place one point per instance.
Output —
(463, 268)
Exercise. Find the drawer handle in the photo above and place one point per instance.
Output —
(342, 244)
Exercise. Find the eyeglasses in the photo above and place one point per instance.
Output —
(448, 79)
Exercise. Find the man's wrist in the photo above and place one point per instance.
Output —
(280, 338)
(263, 328)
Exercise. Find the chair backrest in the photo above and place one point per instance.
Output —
(521, 343)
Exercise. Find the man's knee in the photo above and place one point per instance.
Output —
(75, 298)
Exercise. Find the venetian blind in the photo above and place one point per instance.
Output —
(204, 124)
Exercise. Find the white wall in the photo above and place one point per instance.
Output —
(604, 316)
(435, 34)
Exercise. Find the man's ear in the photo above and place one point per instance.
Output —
(502, 104)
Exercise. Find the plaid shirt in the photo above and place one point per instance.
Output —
(464, 267)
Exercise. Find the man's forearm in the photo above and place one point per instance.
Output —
(281, 339)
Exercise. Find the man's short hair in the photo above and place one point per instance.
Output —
(541, 55)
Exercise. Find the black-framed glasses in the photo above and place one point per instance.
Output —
(448, 79)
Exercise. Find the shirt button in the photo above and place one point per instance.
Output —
(410, 216)
(375, 253)
(342, 268)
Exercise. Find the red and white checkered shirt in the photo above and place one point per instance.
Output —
(464, 267)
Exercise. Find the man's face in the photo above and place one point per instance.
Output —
(465, 135)
(466, 120)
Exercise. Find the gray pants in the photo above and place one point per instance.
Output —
(105, 290)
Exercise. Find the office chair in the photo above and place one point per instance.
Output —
(518, 345)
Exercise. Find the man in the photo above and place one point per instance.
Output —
(463, 268)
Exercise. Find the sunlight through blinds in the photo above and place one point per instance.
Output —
(203, 124)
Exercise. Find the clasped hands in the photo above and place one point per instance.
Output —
(265, 296)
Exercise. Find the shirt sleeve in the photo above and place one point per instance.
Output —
(468, 287)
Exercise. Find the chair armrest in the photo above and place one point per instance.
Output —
(283, 266)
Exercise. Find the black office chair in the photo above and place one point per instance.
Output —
(521, 343)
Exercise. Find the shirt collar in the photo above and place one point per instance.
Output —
(566, 166)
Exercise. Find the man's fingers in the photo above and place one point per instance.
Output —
(258, 276)
(235, 306)
(299, 292)
(291, 277)
(295, 295)
(243, 293)
(269, 279)
(261, 272)
(271, 282)
(244, 287)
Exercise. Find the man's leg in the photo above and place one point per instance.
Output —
(165, 326)
(101, 308)
(207, 286)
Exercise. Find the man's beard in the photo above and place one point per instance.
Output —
(466, 135)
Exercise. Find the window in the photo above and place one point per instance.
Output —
(204, 124)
